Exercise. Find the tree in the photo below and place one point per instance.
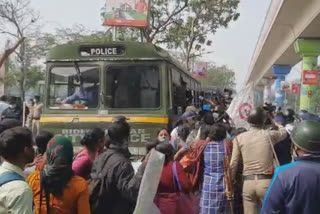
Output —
(187, 24)
(78, 33)
(9, 51)
(18, 20)
(163, 14)
(219, 77)
(191, 35)
(32, 76)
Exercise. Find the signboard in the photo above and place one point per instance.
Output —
(115, 50)
(285, 86)
(131, 13)
(241, 106)
(295, 88)
(200, 70)
(244, 110)
(310, 77)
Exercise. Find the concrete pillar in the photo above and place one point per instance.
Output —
(258, 95)
(309, 50)
(280, 71)
(268, 95)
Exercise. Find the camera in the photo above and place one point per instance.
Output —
(268, 107)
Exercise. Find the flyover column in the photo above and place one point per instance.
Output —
(267, 92)
(280, 71)
(258, 95)
(309, 50)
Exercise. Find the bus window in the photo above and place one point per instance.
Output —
(70, 89)
(134, 86)
(179, 88)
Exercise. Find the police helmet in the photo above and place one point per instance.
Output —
(306, 136)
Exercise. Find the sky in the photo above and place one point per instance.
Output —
(233, 46)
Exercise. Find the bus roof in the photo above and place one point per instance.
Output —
(129, 51)
(72, 52)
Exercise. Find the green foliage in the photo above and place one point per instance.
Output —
(186, 25)
(78, 33)
(32, 76)
(192, 34)
(220, 77)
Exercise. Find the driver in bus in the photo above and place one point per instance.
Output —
(87, 96)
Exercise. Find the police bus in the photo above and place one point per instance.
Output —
(88, 84)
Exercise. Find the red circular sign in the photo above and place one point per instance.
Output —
(244, 110)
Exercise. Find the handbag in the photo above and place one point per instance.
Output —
(191, 162)
(177, 202)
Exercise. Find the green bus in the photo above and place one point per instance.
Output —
(88, 84)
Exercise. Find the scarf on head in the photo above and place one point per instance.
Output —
(58, 171)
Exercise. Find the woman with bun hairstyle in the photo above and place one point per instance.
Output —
(93, 143)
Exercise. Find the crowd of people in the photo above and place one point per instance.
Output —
(29, 114)
(209, 167)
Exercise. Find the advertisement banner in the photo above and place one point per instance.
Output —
(295, 88)
(131, 13)
(200, 70)
(310, 77)
(241, 106)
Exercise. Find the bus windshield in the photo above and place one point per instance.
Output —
(74, 87)
(133, 86)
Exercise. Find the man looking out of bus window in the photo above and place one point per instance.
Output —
(87, 95)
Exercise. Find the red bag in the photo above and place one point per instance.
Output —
(191, 162)
(178, 202)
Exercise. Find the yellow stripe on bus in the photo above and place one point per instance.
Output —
(68, 119)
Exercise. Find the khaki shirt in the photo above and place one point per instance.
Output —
(254, 151)
(15, 196)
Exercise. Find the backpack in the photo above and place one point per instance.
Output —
(7, 177)
(97, 186)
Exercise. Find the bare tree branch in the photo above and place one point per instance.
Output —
(18, 16)
(8, 33)
(162, 26)
(9, 51)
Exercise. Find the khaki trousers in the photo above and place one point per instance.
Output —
(35, 126)
(253, 194)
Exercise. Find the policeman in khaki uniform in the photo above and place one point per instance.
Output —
(295, 187)
(253, 149)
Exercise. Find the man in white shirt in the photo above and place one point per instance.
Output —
(17, 151)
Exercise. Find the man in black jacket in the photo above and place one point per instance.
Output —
(114, 187)
(14, 111)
